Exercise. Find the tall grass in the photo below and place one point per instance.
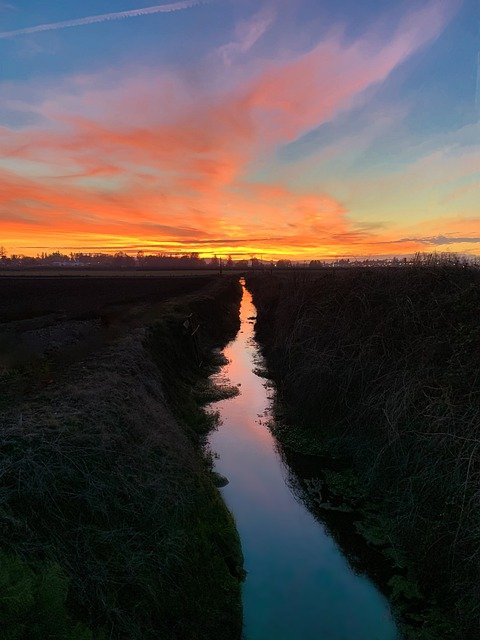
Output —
(98, 478)
(384, 365)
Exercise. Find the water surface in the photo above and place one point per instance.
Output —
(299, 584)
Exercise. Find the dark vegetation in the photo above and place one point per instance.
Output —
(116, 261)
(110, 523)
(25, 298)
(48, 323)
(380, 367)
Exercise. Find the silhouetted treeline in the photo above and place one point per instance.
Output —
(119, 260)
(418, 259)
(122, 260)
(193, 260)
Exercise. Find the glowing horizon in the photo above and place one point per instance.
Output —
(282, 130)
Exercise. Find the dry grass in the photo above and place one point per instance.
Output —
(98, 476)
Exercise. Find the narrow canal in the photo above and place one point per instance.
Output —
(299, 584)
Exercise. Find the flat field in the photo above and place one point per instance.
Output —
(80, 296)
(105, 273)
(48, 323)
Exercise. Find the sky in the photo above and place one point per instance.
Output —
(277, 128)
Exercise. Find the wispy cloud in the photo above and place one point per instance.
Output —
(248, 33)
(438, 240)
(106, 17)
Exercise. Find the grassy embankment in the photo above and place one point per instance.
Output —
(48, 323)
(111, 526)
(380, 367)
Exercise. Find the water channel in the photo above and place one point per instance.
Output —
(300, 585)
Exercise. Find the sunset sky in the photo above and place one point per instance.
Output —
(299, 128)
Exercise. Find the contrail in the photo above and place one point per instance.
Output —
(81, 22)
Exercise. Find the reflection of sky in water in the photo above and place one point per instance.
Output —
(299, 585)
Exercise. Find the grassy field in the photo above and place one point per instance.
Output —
(111, 523)
(381, 368)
